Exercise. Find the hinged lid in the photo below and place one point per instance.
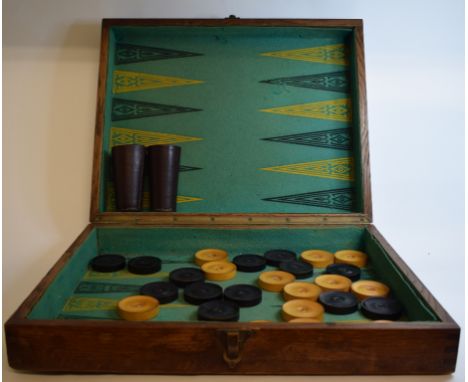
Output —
(270, 115)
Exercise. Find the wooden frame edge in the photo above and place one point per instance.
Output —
(344, 23)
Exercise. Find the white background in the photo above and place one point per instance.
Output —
(415, 75)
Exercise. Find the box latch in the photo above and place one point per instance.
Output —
(233, 342)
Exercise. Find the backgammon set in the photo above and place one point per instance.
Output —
(231, 216)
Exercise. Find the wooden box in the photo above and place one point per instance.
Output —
(271, 118)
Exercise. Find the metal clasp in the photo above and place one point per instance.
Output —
(233, 342)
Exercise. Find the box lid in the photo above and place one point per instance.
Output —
(270, 116)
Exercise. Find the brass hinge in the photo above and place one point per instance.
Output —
(233, 342)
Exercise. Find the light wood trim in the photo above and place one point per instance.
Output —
(178, 219)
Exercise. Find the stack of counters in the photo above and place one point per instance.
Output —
(368, 288)
(138, 308)
(219, 270)
(347, 270)
(210, 254)
(274, 281)
(333, 283)
(350, 256)
(301, 290)
(299, 269)
(300, 308)
(274, 257)
(318, 258)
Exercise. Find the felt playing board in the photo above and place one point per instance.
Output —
(80, 293)
(265, 116)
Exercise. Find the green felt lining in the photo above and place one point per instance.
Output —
(233, 151)
(398, 283)
(82, 294)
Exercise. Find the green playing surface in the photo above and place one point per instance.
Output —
(80, 293)
(266, 117)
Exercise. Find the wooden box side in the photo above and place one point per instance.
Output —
(123, 347)
(291, 349)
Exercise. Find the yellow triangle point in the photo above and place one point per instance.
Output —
(336, 110)
(122, 136)
(340, 168)
(83, 304)
(124, 81)
(187, 199)
(327, 54)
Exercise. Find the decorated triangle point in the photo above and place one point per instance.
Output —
(337, 110)
(83, 304)
(130, 53)
(187, 199)
(334, 139)
(340, 168)
(126, 81)
(326, 54)
(334, 81)
(340, 199)
(124, 109)
(123, 136)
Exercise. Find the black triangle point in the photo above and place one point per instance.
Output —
(334, 81)
(123, 109)
(334, 139)
(188, 168)
(340, 199)
(129, 53)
